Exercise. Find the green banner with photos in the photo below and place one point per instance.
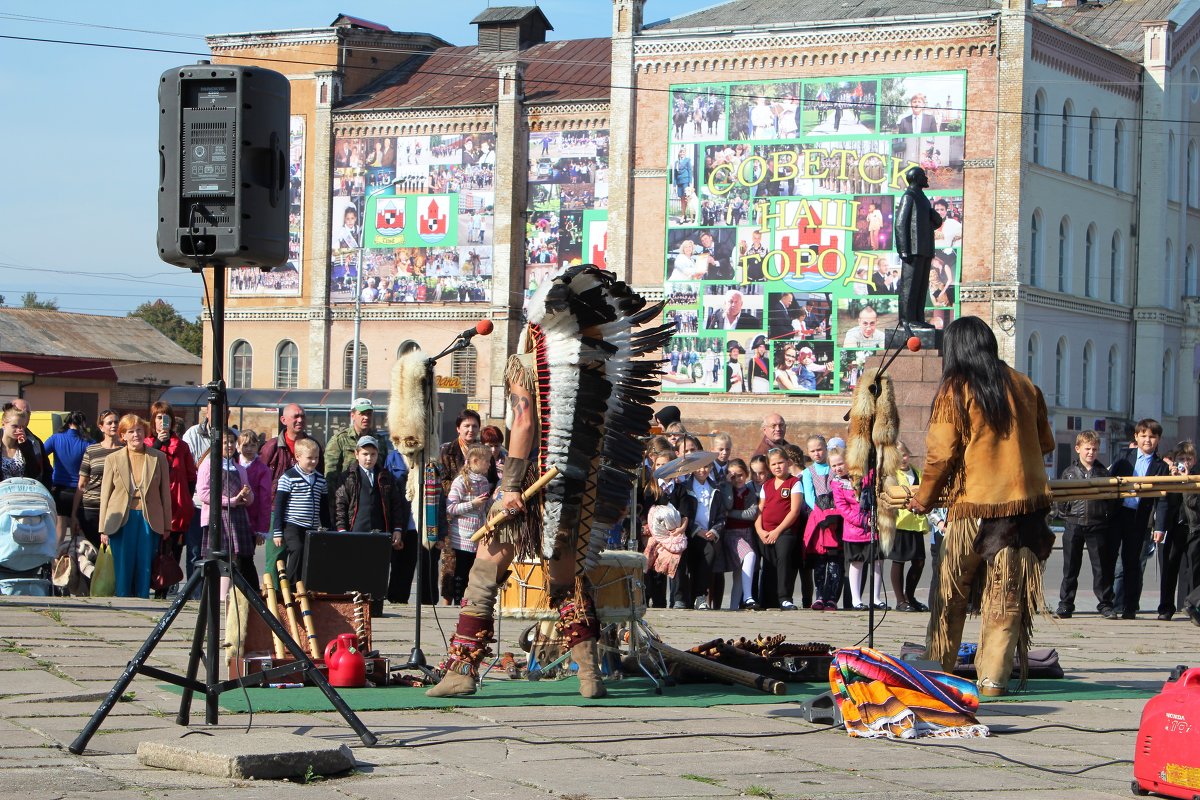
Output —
(780, 272)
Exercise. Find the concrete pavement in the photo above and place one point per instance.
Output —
(59, 657)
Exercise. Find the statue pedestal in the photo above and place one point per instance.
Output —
(931, 339)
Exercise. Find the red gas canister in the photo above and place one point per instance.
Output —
(1167, 761)
(347, 668)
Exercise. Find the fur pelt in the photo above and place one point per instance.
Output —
(875, 420)
(408, 422)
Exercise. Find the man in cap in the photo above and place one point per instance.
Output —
(339, 453)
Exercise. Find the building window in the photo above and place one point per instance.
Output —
(1169, 291)
(1036, 272)
(1093, 151)
(348, 366)
(1033, 358)
(1172, 168)
(406, 347)
(463, 367)
(1039, 127)
(1065, 160)
(1119, 155)
(1168, 383)
(1091, 277)
(287, 366)
(1114, 379)
(1190, 287)
(1060, 373)
(1089, 358)
(241, 365)
(1116, 270)
(1189, 175)
(1064, 255)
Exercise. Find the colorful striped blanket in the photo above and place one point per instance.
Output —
(881, 696)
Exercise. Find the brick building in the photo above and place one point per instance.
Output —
(60, 361)
(748, 156)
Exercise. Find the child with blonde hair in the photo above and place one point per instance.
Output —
(466, 508)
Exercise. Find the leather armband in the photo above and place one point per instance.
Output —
(514, 474)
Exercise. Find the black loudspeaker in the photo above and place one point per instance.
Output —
(341, 562)
(223, 166)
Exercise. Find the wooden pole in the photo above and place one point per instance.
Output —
(528, 494)
(273, 607)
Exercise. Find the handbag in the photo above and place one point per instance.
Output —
(165, 571)
(104, 578)
(62, 568)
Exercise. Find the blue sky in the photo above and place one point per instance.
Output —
(77, 217)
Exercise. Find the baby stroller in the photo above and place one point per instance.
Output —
(28, 541)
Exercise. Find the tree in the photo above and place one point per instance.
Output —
(163, 316)
(30, 300)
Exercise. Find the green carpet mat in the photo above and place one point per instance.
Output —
(630, 692)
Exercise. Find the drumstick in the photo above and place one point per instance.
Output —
(273, 607)
(310, 622)
(289, 602)
(496, 519)
(718, 670)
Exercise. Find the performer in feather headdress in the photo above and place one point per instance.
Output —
(579, 397)
(988, 432)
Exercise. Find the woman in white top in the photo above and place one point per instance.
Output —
(686, 267)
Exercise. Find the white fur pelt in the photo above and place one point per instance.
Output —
(409, 423)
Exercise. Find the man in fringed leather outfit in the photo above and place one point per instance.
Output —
(988, 432)
(579, 398)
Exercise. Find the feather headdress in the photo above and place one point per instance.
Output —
(595, 389)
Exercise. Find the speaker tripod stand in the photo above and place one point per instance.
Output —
(207, 578)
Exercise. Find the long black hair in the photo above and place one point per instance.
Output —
(971, 358)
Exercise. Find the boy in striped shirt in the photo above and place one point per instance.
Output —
(300, 505)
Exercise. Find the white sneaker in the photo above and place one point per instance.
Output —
(787, 605)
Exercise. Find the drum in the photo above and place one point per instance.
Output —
(617, 582)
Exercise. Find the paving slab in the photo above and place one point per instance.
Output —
(263, 755)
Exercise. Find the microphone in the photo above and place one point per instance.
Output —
(913, 344)
(481, 328)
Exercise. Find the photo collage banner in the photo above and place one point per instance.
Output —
(422, 209)
(781, 273)
(567, 219)
(281, 281)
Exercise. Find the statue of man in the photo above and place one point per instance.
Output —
(915, 223)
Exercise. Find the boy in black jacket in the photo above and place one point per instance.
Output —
(1182, 538)
(1088, 523)
(369, 498)
(1131, 536)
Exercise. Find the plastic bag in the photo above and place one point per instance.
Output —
(104, 578)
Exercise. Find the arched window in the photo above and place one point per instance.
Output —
(1039, 127)
(1064, 255)
(1172, 168)
(1193, 180)
(348, 366)
(1168, 383)
(1114, 379)
(1093, 151)
(1033, 358)
(462, 366)
(1116, 269)
(1168, 298)
(406, 347)
(1089, 361)
(1061, 374)
(1091, 274)
(241, 365)
(1118, 163)
(1065, 161)
(1037, 275)
(287, 366)
(1190, 286)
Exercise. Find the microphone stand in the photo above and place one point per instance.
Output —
(869, 502)
(416, 656)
